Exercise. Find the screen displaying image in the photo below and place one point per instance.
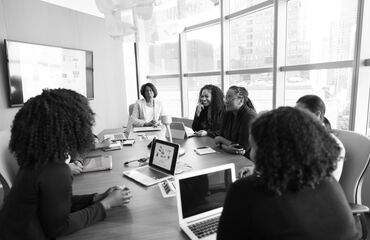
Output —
(163, 155)
(34, 67)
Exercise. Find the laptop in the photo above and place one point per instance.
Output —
(180, 131)
(162, 164)
(200, 199)
(147, 129)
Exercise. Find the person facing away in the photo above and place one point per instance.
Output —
(46, 131)
(209, 112)
(147, 111)
(235, 126)
(291, 194)
(316, 105)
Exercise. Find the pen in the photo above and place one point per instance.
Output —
(202, 147)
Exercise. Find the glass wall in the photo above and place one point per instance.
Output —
(312, 52)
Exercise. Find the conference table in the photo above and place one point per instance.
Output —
(149, 215)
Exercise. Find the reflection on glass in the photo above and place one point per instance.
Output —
(163, 57)
(194, 86)
(237, 5)
(259, 87)
(197, 11)
(203, 49)
(332, 85)
(320, 31)
(251, 40)
(169, 94)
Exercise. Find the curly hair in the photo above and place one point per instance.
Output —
(242, 92)
(217, 101)
(51, 126)
(294, 150)
(151, 85)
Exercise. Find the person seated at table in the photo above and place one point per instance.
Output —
(316, 105)
(291, 194)
(208, 115)
(237, 118)
(147, 111)
(47, 130)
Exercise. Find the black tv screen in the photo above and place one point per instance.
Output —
(33, 67)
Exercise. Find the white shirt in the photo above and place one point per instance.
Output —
(143, 113)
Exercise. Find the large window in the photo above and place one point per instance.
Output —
(314, 50)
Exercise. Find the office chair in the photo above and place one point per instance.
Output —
(8, 165)
(355, 165)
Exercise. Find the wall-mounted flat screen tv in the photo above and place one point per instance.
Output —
(33, 67)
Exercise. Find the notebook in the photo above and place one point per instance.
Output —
(97, 163)
(146, 129)
(200, 199)
(162, 164)
(180, 131)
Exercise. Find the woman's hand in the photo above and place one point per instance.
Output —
(76, 167)
(118, 197)
(200, 133)
(200, 107)
(234, 149)
(246, 171)
(100, 196)
(153, 123)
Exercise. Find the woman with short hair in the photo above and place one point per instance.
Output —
(148, 110)
(291, 194)
(316, 105)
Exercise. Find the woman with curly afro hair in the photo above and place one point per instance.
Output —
(46, 131)
(291, 194)
(209, 112)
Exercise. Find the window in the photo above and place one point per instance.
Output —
(194, 84)
(203, 49)
(259, 87)
(251, 40)
(332, 85)
(169, 94)
(320, 31)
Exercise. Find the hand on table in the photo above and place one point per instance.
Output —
(116, 197)
(200, 133)
(246, 171)
(76, 167)
(234, 149)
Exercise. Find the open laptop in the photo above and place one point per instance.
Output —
(200, 199)
(162, 164)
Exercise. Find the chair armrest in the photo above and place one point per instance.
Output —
(358, 208)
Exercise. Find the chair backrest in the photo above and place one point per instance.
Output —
(131, 109)
(355, 165)
(8, 164)
(187, 122)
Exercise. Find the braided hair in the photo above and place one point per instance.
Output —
(242, 92)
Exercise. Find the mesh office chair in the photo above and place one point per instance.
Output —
(355, 165)
(8, 165)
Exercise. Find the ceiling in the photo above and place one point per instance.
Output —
(85, 6)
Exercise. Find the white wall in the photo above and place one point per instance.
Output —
(42, 23)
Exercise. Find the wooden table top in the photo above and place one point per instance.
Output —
(148, 215)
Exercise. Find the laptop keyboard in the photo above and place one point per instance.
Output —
(205, 228)
(152, 173)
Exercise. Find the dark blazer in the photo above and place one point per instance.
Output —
(252, 212)
(40, 205)
(206, 122)
(236, 128)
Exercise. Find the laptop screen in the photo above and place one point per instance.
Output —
(163, 155)
(205, 192)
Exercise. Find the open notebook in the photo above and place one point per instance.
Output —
(200, 199)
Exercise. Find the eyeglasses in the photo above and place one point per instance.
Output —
(140, 162)
(230, 98)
